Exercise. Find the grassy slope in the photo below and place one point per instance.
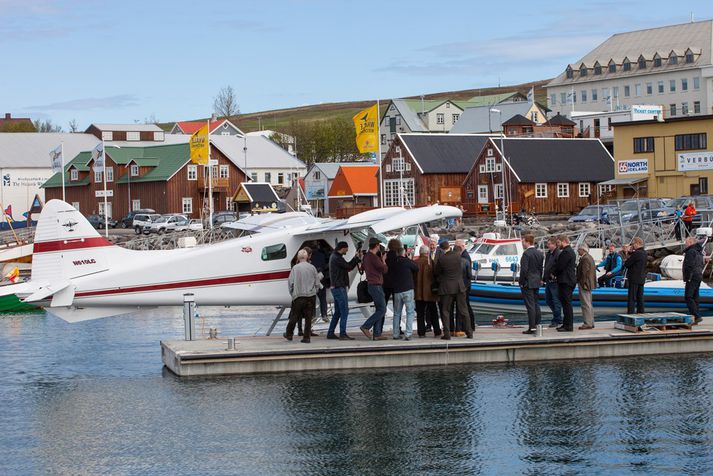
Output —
(278, 119)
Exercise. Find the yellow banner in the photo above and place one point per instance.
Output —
(366, 123)
(199, 146)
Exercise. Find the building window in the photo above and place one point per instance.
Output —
(696, 107)
(133, 136)
(107, 135)
(696, 83)
(253, 176)
(192, 172)
(74, 174)
(583, 71)
(317, 175)
(584, 96)
(383, 139)
(76, 205)
(615, 91)
(684, 108)
(440, 118)
(594, 95)
(585, 189)
(649, 89)
(224, 172)
(563, 98)
(110, 174)
(690, 141)
(392, 194)
(671, 109)
(684, 84)
(673, 59)
(553, 99)
(703, 185)
(136, 204)
(397, 164)
(569, 72)
(187, 205)
(660, 87)
(612, 67)
(268, 177)
(597, 69)
(626, 66)
(643, 144)
(637, 90)
(642, 62)
(499, 191)
(562, 190)
(97, 177)
(158, 136)
(627, 91)
(280, 178)
(672, 86)
(604, 189)
(490, 164)
(540, 190)
(689, 56)
(482, 194)
(657, 61)
(134, 170)
(455, 118)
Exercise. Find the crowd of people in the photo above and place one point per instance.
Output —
(433, 288)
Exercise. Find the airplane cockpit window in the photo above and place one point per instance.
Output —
(274, 252)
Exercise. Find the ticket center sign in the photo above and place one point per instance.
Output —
(694, 161)
(625, 167)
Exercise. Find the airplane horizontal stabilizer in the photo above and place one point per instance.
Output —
(19, 289)
(43, 292)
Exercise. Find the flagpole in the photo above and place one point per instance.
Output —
(106, 214)
(378, 140)
(210, 181)
(61, 151)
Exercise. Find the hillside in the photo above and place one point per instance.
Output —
(279, 119)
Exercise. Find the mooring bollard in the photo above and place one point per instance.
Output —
(189, 312)
(540, 330)
(231, 343)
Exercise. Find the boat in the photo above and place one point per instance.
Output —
(663, 295)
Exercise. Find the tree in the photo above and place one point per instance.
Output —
(73, 126)
(225, 103)
(46, 126)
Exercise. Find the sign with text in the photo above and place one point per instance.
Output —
(641, 112)
(692, 161)
(100, 193)
(640, 166)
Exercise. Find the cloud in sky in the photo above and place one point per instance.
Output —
(82, 104)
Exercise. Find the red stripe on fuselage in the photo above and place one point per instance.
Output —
(65, 245)
(247, 278)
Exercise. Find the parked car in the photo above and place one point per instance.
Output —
(128, 220)
(142, 219)
(97, 221)
(641, 209)
(593, 213)
(224, 217)
(167, 223)
(195, 225)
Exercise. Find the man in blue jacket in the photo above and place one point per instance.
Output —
(613, 265)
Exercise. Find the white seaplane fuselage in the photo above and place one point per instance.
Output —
(79, 275)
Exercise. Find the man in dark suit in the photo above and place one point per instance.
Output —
(565, 270)
(693, 264)
(530, 280)
(467, 278)
(635, 266)
(449, 272)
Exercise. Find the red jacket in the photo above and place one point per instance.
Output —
(689, 213)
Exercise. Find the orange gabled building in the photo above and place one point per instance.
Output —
(355, 189)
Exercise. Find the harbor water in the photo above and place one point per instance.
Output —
(92, 398)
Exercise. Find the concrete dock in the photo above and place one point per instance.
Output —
(255, 354)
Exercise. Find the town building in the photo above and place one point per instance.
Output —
(16, 124)
(599, 125)
(285, 141)
(354, 190)
(540, 175)
(663, 158)
(318, 180)
(423, 169)
(257, 197)
(25, 165)
(489, 119)
(161, 177)
(222, 127)
(668, 66)
(557, 126)
(127, 132)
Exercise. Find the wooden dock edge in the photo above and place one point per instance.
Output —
(235, 363)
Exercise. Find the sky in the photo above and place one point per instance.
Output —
(131, 61)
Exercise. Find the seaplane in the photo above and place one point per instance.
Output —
(78, 275)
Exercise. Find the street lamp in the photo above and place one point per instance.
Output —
(502, 151)
(106, 210)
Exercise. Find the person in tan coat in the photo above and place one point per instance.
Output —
(586, 280)
(426, 309)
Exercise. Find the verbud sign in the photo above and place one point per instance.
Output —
(640, 166)
(692, 161)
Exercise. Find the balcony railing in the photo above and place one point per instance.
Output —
(219, 183)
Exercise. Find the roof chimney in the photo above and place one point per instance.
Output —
(213, 117)
(7, 115)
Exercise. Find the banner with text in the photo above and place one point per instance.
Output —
(367, 130)
(692, 161)
(640, 166)
(200, 146)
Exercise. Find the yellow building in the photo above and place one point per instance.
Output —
(663, 159)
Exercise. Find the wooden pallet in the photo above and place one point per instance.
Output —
(654, 327)
(655, 321)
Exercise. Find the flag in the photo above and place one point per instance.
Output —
(367, 130)
(56, 158)
(98, 157)
(200, 146)
(14, 275)
(8, 213)
(531, 95)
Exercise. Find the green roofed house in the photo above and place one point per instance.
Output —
(160, 177)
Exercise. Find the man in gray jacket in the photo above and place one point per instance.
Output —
(587, 281)
(303, 283)
(530, 280)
